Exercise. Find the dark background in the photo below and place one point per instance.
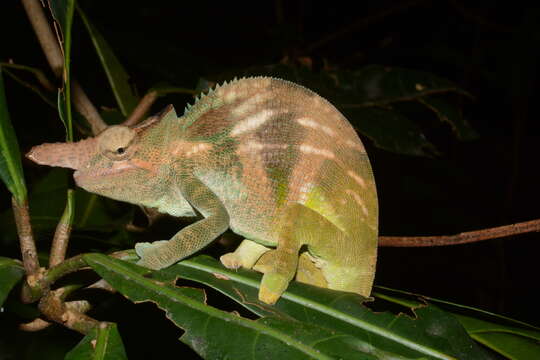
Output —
(489, 49)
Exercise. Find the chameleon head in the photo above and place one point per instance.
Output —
(117, 163)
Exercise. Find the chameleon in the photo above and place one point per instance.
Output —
(267, 158)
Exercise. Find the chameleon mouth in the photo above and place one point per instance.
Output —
(86, 177)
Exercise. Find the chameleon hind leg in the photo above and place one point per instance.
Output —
(308, 272)
(334, 260)
(279, 265)
(346, 262)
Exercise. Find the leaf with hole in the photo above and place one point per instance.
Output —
(207, 329)
(511, 338)
(431, 333)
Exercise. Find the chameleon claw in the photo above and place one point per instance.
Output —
(231, 261)
(272, 287)
(147, 253)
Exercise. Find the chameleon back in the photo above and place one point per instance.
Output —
(266, 144)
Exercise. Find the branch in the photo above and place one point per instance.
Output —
(26, 237)
(53, 53)
(142, 108)
(85, 107)
(462, 238)
(36, 289)
(35, 325)
(53, 306)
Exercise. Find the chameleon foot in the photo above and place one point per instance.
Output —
(246, 255)
(150, 254)
(279, 268)
(273, 285)
(231, 261)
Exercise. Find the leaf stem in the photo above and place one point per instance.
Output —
(63, 231)
(66, 267)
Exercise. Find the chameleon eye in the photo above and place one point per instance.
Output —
(116, 141)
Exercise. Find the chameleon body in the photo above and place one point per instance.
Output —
(267, 158)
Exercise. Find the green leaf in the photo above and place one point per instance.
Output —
(117, 75)
(208, 330)
(11, 272)
(391, 131)
(103, 343)
(509, 345)
(11, 171)
(451, 115)
(62, 11)
(511, 338)
(431, 334)
(378, 85)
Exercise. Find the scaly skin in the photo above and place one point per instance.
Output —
(267, 158)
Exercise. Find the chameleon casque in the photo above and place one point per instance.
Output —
(269, 159)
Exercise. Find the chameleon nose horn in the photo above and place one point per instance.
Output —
(68, 155)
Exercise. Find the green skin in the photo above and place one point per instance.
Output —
(267, 158)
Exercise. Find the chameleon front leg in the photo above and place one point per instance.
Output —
(192, 238)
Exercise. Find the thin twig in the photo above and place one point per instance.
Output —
(414, 97)
(32, 88)
(35, 325)
(53, 53)
(40, 76)
(462, 238)
(26, 237)
(361, 23)
(141, 109)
